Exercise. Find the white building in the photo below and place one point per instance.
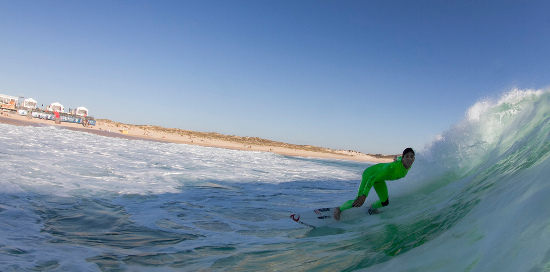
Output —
(81, 111)
(8, 99)
(56, 107)
(29, 103)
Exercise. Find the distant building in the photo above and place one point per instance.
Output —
(29, 104)
(55, 107)
(8, 101)
(81, 111)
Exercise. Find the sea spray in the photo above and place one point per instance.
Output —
(489, 128)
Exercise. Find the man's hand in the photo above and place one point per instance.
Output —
(359, 201)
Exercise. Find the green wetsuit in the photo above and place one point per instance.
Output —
(376, 176)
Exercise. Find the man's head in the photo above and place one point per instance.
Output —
(408, 157)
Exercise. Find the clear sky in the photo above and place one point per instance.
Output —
(371, 76)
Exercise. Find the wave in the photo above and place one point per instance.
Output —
(477, 199)
(513, 128)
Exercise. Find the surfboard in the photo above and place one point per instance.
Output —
(324, 216)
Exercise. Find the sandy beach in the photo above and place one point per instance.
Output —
(105, 127)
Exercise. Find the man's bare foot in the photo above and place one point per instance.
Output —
(337, 213)
(373, 211)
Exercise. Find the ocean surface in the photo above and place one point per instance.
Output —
(476, 199)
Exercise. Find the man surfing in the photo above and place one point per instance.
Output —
(376, 176)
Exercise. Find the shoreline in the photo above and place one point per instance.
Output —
(108, 128)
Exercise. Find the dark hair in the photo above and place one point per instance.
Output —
(407, 150)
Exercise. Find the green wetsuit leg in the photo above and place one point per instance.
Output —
(382, 191)
(368, 179)
(364, 187)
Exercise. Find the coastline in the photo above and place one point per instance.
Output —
(108, 128)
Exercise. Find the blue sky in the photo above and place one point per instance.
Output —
(371, 76)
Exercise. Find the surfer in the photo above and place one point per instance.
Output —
(376, 176)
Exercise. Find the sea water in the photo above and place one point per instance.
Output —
(476, 199)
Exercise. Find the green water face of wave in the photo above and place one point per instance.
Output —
(485, 157)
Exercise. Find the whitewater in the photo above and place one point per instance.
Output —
(476, 199)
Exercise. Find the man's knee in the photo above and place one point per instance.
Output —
(386, 203)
